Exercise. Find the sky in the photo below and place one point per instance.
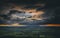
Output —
(42, 11)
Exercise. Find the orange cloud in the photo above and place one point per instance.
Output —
(53, 24)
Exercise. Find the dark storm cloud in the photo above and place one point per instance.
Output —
(34, 4)
(50, 7)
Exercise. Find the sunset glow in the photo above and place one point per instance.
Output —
(49, 25)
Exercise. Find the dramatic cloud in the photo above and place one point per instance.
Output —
(23, 15)
(28, 13)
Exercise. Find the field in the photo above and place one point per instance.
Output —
(29, 32)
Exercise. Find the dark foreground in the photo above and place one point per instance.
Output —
(29, 32)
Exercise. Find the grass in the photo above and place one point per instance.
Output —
(14, 32)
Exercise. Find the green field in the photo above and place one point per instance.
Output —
(27, 32)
